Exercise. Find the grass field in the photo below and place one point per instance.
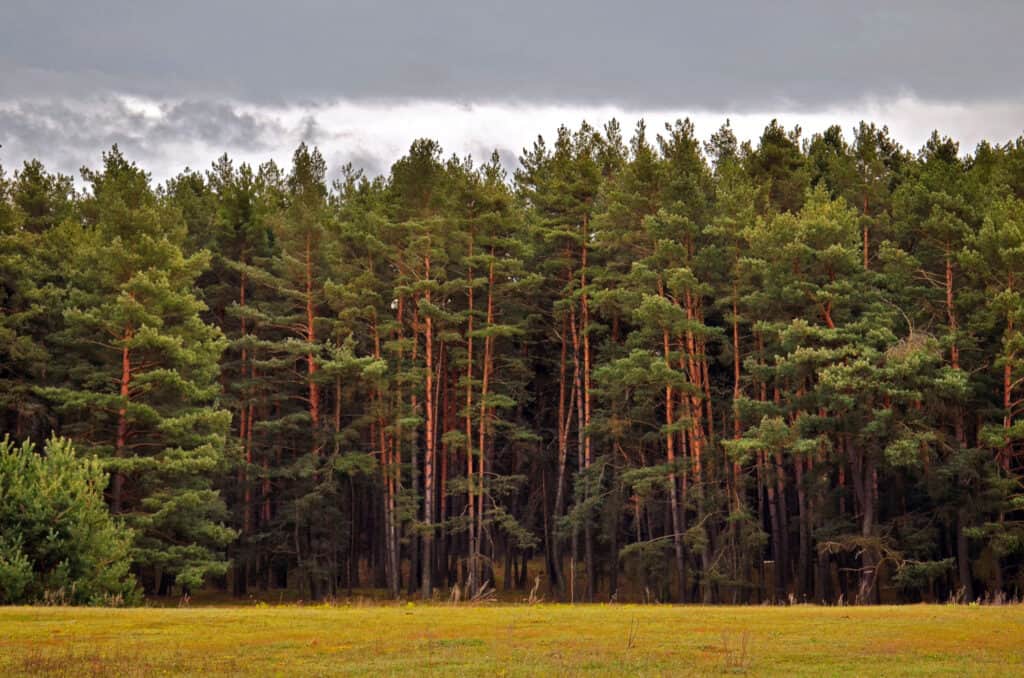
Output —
(513, 640)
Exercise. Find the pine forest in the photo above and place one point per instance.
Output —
(638, 366)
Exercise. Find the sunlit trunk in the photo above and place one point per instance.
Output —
(120, 449)
(428, 461)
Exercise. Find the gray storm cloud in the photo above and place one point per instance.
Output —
(176, 84)
(644, 53)
(70, 133)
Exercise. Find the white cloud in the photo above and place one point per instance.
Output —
(164, 135)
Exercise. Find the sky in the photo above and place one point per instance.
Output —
(176, 84)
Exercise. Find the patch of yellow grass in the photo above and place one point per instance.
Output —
(513, 640)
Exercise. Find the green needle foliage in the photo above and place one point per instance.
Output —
(138, 373)
(58, 541)
(643, 368)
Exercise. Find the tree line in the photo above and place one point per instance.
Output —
(633, 369)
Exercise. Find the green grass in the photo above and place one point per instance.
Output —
(514, 640)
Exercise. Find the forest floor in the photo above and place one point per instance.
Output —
(513, 640)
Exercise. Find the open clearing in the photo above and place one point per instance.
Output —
(513, 640)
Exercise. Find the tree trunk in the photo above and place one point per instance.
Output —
(954, 351)
(963, 558)
(1004, 455)
(564, 419)
(577, 376)
(803, 559)
(470, 474)
(120, 449)
(482, 425)
(244, 422)
(692, 365)
(588, 532)
(776, 529)
(448, 424)
(428, 461)
(314, 392)
(670, 440)
(414, 469)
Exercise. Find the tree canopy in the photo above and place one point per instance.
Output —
(636, 367)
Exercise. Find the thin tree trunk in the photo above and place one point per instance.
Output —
(776, 522)
(564, 419)
(585, 331)
(696, 410)
(954, 351)
(577, 375)
(1004, 455)
(783, 566)
(428, 461)
(470, 474)
(588, 536)
(803, 559)
(448, 424)
(869, 559)
(244, 421)
(963, 556)
(482, 425)
(337, 414)
(414, 469)
(670, 439)
(120, 450)
(314, 392)
(737, 392)
(249, 446)
(395, 463)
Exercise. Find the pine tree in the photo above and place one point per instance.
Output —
(58, 542)
(779, 168)
(32, 204)
(561, 186)
(141, 367)
(996, 261)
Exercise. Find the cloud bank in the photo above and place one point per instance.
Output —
(165, 136)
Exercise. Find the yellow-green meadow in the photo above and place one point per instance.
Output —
(514, 640)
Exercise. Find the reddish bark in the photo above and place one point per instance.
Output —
(122, 417)
(670, 451)
(428, 461)
(470, 474)
(488, 367)
(314, 393)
